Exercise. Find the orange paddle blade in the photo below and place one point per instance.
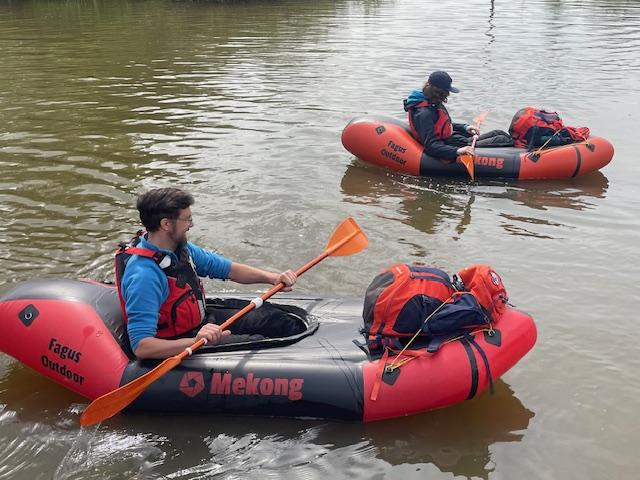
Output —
(467, 161)
(480, 118)
(347, 239)
(113, 402)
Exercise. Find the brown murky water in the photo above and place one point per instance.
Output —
(242, 103)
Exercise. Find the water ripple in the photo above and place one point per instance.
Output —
(243, 103)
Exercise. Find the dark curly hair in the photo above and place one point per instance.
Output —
(434, 94)
(160, 203)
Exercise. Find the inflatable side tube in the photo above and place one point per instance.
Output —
(454, 373)
(567, 161)
(60, 328)
(488, 163)
(261, 383)
(383, 141)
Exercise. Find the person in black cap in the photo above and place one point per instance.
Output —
(431, 124)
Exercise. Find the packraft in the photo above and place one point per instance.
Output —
(73, 333)
(533, 127)
(389, 143)
(415, 301)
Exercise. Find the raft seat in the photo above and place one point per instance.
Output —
(272, 325)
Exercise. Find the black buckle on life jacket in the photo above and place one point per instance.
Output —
(534, 157)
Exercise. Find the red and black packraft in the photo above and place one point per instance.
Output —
(533, 127)
(405, 300)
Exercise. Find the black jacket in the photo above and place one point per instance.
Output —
(424, 120)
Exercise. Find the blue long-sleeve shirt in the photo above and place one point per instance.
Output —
(145, 286)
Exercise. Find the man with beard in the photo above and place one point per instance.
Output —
(158, 278)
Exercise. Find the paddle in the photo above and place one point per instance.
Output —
(467, 159)
(347, 239)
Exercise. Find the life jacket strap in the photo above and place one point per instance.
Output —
(158, 257)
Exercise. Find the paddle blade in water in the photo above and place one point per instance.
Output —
(347, 239)
(113, 402)
(467, 161)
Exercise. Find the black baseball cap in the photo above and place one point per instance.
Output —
(442, 80)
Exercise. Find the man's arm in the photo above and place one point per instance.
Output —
(209, 264)
(242, 273)
(151, 347)
(144, 289)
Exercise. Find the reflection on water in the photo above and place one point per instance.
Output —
(450, 438)
(575, 194)
(430, 205)
(242, 102)
(489, 33)
(456, 440)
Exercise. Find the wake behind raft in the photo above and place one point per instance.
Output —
(72, 331)
(387, 142)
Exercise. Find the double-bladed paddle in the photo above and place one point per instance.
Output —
(467, 159)
(347, 239)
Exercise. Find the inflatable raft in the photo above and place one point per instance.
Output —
(72, 332)
(388, 142)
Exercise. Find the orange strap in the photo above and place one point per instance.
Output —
(379, 373)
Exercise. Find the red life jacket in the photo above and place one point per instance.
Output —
(183, 310)
(443, 127)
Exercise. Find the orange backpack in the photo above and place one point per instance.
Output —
(405, 300)
(401, 297)
(486, 285)
(533, 127)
